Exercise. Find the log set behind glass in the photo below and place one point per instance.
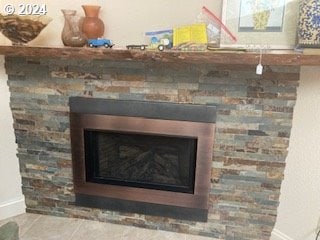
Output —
(158, 162)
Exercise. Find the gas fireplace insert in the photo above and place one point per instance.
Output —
(145, 157)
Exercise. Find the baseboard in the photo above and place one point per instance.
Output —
(278, 235)
(12, 208)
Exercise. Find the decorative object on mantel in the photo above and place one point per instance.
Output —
(215, 28)
(160, 39)
(71, 34)
(22, 29)
(195, 33)
(309, 24)
(92, 26)
(261, 23)
(99, 42)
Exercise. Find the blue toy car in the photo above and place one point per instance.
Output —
(99, 42)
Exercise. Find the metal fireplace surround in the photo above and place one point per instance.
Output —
(150, 118)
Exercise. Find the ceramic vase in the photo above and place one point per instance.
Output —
(71, 34)
(92, 26)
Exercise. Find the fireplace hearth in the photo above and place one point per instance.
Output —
(132, 156)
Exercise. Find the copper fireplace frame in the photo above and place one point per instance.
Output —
(204, 132)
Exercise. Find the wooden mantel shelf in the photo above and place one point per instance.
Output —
(272, 57)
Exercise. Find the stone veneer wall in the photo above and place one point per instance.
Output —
(252, 135)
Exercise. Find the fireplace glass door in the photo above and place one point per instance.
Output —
(138, 160)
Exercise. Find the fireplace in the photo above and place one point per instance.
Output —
(145, 157)
(252, 131)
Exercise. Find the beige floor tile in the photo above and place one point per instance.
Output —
(25, 221)
(146, 234)
(52, 228)
(41, 227)
(194, 237)
(159, 235)
(91, 230)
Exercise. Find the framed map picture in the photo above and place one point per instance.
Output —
(262, 16)
(268, 24)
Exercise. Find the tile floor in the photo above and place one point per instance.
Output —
(42, 227)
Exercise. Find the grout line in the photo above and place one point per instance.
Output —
(31, 225)
(77, 229)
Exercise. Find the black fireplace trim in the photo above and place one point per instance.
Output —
(146, 109)
(183, 213)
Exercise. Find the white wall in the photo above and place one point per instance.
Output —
(125, 20)
(299, 210)
(11, 198)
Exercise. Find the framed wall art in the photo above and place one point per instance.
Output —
(309, 24)
(268, 24)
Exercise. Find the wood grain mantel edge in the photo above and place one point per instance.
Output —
(272, 57)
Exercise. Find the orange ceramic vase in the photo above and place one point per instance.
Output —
(93, 26)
